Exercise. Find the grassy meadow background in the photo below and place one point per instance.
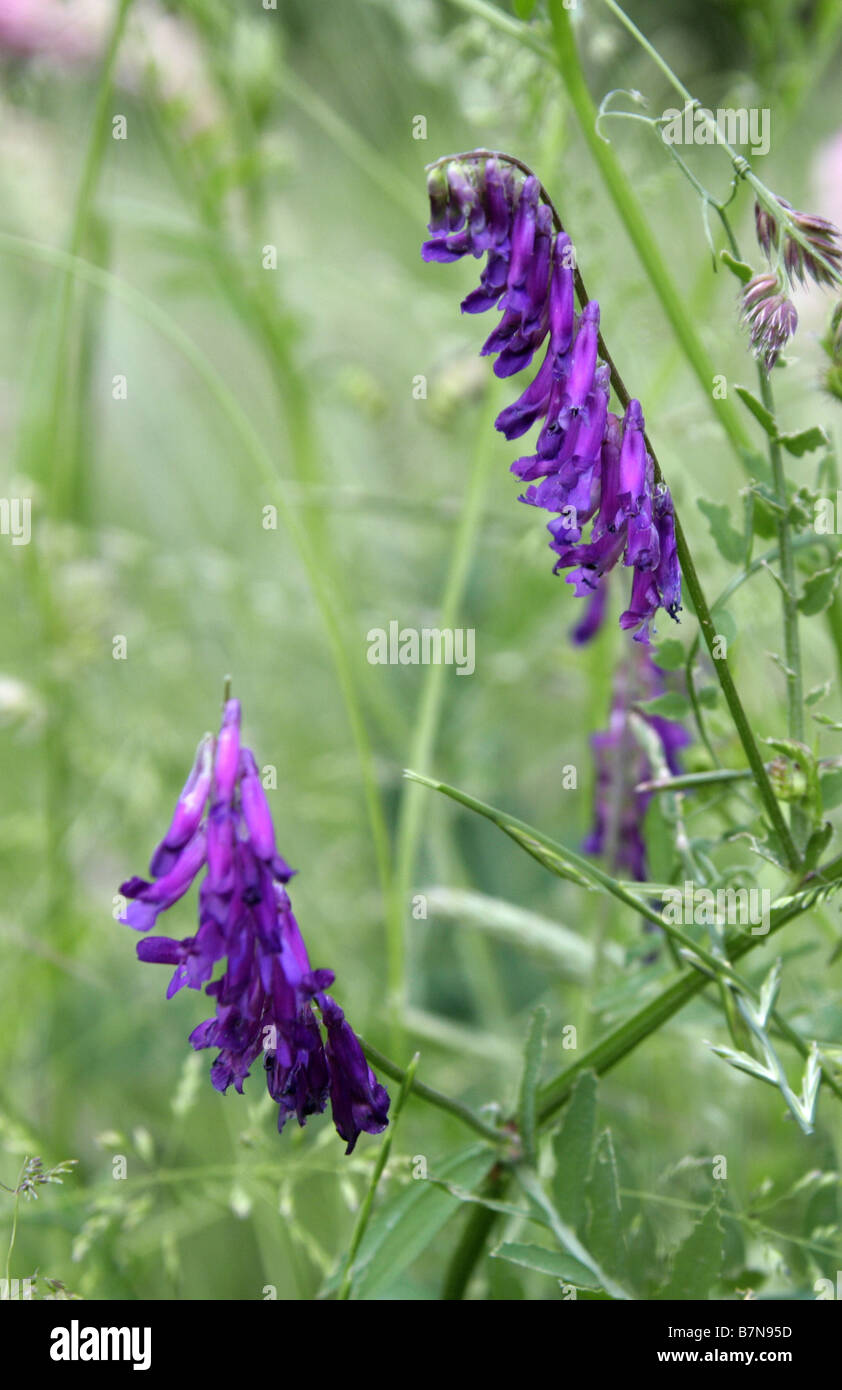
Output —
(248, 388)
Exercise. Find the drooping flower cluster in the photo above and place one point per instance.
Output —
(767, 309)
(266, 993)
(589, 467)
(622, 763)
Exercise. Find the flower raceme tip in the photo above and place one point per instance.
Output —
(268, 994)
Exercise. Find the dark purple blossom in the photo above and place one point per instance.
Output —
(267, 996)
(588, 466)
(621, 763)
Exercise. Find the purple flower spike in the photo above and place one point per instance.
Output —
(267, 995)
(588, 466)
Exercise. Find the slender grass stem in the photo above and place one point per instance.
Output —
(364, 1215)
(789, 603)
(433, 1097)
(426, 726)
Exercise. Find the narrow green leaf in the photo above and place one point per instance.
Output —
(530, 1080)
(758, 410)
(573, 1147)
(729, 542)
(698, 1261)
(555, 1262)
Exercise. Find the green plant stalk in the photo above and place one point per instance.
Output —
(720, 967)
(789, 598)
(632, 217)
(56, 441)
(733, 700)
(433, 1097)
(368, 1201)
(14, 1231)
(623, 1039)
(59, 446)
(475, 1233)
(428, 718)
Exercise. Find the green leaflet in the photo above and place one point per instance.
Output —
(697, 1262)
(532, 1058)
(573, 1146)
(605, 1237)
(730, 543)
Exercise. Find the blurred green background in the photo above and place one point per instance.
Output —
(249, 387)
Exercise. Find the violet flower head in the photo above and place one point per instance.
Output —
(621, 763)
(589, 467)
(268, 995)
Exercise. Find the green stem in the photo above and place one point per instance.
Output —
(433, 1097)
(623, 1039)
(733, 700)
(14, 1232)
(789, 597)
(423, 743)
(475, 1233)
(368, 1202)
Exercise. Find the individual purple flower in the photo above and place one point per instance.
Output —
(621, 764)
(588, 467)
(268, 995)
